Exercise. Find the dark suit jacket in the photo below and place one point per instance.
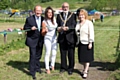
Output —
(70, 34)
(33, 37)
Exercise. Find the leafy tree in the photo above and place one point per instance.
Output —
(117, 4)
(111, 4)
(22, 4)
(85, 0)
(4, 4)
(29, 4)
(101, 4)
(94, 4)
(43, 1)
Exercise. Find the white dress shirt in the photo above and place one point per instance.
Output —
(38, 20)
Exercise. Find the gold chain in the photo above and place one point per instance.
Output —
(66, 19)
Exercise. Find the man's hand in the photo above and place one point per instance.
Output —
(65, 28)
(33, 28)
(62, 28)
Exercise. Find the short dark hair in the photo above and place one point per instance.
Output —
(78, 11)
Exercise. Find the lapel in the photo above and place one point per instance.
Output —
(68, 14)
(34, 20)
(62, 15)
(42, 20)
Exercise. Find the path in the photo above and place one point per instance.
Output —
(95, 72)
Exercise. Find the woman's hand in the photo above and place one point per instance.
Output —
(46, 29)
(59, 29)
(89, 45)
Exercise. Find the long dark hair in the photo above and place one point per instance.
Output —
(46, 16)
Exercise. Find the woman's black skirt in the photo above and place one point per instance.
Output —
(85, 54)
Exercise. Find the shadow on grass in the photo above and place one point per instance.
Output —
(23, 66)
(109, 65)
(19, 65)
(103, 66)
(118, 51)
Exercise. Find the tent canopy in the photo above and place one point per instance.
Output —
(92, 12)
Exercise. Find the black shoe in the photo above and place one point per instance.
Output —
(62, 71)
(70, 72)
(34, 78)
(40, 71)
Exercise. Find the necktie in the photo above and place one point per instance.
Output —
(64, 16)
(38, 23)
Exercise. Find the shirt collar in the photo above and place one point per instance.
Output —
(37, 17)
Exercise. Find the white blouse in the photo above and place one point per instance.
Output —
(51, 27)
(86, 32)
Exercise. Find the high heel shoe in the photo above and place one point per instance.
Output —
(52, 68)
(85, 74)
(47, 71)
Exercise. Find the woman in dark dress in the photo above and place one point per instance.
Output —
(86, 45)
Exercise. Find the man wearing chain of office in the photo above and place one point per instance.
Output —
(66, 21)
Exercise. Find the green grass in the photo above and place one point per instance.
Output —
(11, 36)
(14, 64)
(106, 39)
(107, 44)
(12, 19)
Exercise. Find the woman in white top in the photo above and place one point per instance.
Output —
(50, 39)
(86, 45)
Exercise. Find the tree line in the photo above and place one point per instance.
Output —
(28, 4)
(105, 4)
(20, 4)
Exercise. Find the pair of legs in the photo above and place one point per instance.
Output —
(85, 69)
(85, 56)
(35, 55)
(67, 50)
(101, 20)
(86, 66)
(51, 47)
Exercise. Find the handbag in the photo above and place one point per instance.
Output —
(78, 38)
(78, 35)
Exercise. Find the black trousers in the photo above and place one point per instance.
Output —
(67, 50)
(35, 56)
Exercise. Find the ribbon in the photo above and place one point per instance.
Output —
(15, 30)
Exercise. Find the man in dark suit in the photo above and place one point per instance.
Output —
(34, 40)
(66, 24)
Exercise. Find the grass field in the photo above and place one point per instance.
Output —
(10, 36)
(14, 64)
